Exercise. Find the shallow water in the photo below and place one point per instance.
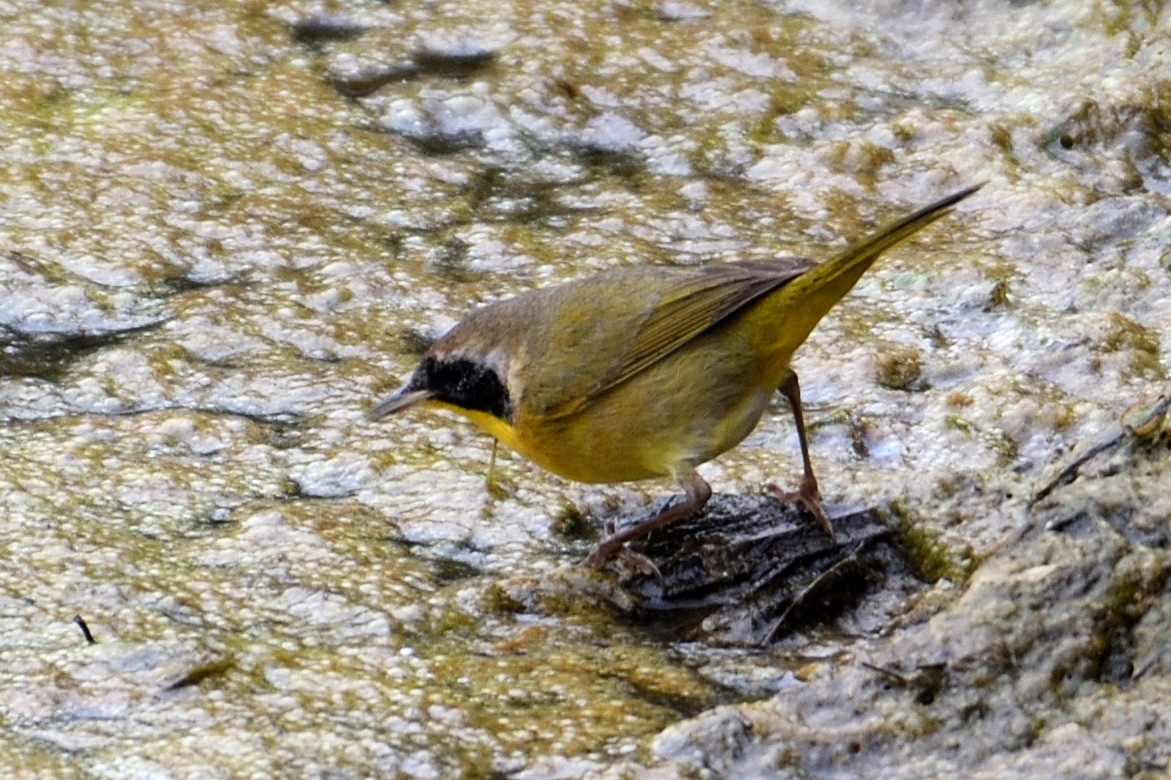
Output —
(228, 228)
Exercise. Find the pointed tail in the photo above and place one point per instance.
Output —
(853, 261)
(805, 300)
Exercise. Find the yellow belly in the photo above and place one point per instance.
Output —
(689, 407)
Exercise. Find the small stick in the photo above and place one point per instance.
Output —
(805, 593)
(1069, 473)
(84, 629)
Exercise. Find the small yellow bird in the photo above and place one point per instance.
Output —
(644, 372)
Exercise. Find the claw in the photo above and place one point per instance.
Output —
(808, 499)
(614, 544)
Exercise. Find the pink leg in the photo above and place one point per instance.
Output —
(808, 494)
(697, 494)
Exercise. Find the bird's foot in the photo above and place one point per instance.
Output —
(606, 553)
(808, 498)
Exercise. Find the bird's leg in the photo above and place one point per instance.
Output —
(492, 464)
(808, 494)
(697, 492)
(495, 489)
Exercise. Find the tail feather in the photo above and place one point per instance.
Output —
(796, 308)
(854, 260)
(788, 315)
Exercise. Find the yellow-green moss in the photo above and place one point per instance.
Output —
(1124, 334)
(572, 523)
(930, 557)
(998, 297)
(959, 399)
(900, 368)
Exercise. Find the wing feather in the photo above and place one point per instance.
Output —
(685, 310)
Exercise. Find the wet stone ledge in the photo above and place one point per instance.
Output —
(749, 571)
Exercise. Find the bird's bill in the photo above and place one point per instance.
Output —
(400, 399)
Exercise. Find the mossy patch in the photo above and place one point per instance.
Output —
(931, 558)
(1126, 335)
(901, 368)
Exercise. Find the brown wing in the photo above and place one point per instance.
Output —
(693, 301)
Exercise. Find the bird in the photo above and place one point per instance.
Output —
(645, 372)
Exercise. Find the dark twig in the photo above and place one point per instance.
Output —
(84, 629)
(1070, 472)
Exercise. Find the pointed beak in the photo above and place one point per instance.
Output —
(397, 401)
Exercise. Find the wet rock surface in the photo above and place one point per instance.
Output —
(1053, 638)
(749, 570)
(225, 229)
